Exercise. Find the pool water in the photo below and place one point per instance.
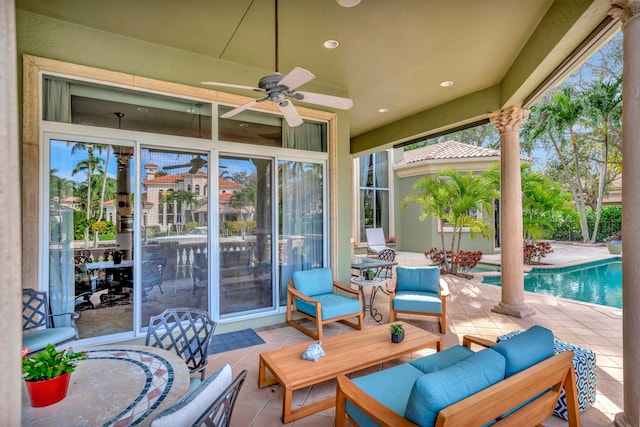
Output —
(597, 282)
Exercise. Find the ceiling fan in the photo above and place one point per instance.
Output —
(195, 164)
(277, 88)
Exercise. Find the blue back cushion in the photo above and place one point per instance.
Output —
(313, 282)
(435, 391)
(526, 349)
(423, 279)
(442, 359)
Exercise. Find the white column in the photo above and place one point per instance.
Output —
(508, 123)
(10, 228)
(628, 12)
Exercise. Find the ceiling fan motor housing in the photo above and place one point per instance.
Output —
(271, 85)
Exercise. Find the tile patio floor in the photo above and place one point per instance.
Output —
(598, 328)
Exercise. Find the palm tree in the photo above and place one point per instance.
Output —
(453, 198)
(543, 200)
(604, 109)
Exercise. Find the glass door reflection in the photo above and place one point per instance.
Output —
(245, 206)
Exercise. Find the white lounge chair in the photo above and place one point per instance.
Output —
(375, 240)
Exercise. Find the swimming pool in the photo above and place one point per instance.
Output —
(597, 282)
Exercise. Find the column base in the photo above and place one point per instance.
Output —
(620, 421)
(514, 310)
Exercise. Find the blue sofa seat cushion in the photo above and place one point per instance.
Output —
(332, 306)
(313, 282)
(421, 279)
(39, 339)
(526, 349)
(395, 397)
(442, 359)
(416, 301)
(435, 391)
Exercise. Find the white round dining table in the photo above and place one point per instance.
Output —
(117, 385)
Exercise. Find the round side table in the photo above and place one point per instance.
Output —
(375, 285)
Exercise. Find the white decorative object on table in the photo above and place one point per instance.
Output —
(313, 352)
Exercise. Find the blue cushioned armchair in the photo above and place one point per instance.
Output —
(419, 290)
(312, 295)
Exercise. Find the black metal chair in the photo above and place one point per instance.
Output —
(38, 324)
(386, 255)
(210, 404)
(187, 331)
(153, 264)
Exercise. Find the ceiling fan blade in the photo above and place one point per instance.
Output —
(290, 113)
(296, 77)
(176, 166)
(326, 100)
(256, 89)
(240, 109)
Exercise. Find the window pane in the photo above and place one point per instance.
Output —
(254, 127)
(301, 240)
(245, 234)
(90, 219)
(174, 232)
(70, 101)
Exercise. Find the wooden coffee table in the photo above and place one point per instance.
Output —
(344, 354)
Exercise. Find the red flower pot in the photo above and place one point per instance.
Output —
(48, 392)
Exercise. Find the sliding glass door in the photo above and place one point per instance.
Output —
(175, 234)
(90, 233)
(301, 222)
(245, 234)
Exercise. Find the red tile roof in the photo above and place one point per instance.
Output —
(448, 150)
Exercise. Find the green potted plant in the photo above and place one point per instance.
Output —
(369, 274)
(47, 373)
(397, 332)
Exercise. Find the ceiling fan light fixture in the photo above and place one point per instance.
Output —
(348, 3)
(331, 44)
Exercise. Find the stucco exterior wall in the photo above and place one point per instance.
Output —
(420, 236)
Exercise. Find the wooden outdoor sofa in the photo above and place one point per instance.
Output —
(454, 388)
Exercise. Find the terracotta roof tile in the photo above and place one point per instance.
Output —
(448, 150)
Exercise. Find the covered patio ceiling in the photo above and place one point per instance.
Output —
(391, 54)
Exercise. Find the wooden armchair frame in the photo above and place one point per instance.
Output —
(444, 293)
(539, 385)
(292, 293)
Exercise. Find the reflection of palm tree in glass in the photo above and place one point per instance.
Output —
(166, 204)
(90, 166)
(241, 199)
(186, 200)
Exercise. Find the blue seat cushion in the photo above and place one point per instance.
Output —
(395, 397)
(332, 306)
(435, 391)
(526, 349)
(420, 302)
(313, 282)
(39, 339)
(442, 359)
(422, 279)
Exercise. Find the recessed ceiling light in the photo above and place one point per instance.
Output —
(142, 110)
(331, 44)
(244, 125)
(446, 83)
(348, 3)
(383, 110)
